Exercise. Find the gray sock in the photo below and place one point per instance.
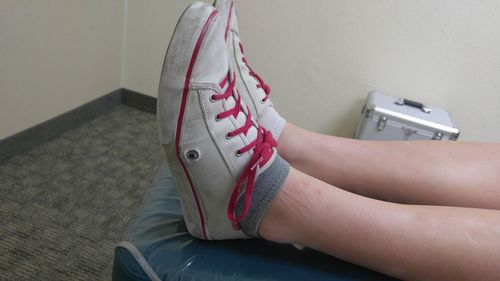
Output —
(265, 188)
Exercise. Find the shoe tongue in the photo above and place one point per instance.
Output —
(234, 21)
(260, 91)
(226, 9)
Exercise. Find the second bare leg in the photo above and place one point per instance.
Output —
(422, 172)
(405, 241)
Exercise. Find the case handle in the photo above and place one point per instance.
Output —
(419, 105)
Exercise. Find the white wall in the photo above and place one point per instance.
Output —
(149, 25)
(56, 55)
(321, 57)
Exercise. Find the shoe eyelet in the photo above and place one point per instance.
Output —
(193, 154)
(212, 98)
(228, 136)
(238, 153)
(217, 119)
(262, 100)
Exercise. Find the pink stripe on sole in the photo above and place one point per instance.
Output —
(183, 110)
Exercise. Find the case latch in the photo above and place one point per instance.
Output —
(437, 136)
(382, 120)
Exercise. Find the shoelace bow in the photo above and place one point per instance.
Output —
(262, 151)
(261, 84)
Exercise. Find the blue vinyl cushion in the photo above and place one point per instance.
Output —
(158, 247)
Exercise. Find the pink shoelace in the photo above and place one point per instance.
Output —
(261, 84)
(262, 151)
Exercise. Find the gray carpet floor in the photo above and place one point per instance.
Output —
(66, 203)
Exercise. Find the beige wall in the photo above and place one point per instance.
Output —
(56, 55)
(321, 57)
(149, 25)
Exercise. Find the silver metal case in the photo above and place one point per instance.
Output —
(388, 118)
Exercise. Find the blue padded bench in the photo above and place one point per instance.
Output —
(158, 247)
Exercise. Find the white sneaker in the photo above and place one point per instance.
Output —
(253, 89)
(214, 148)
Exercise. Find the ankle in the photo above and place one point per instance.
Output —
(273, 227)
(287, 147)
(278, 224)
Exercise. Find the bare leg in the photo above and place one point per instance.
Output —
(423, 172)
(405, 241)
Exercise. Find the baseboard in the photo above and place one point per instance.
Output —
(139, 101)
(54, 127)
